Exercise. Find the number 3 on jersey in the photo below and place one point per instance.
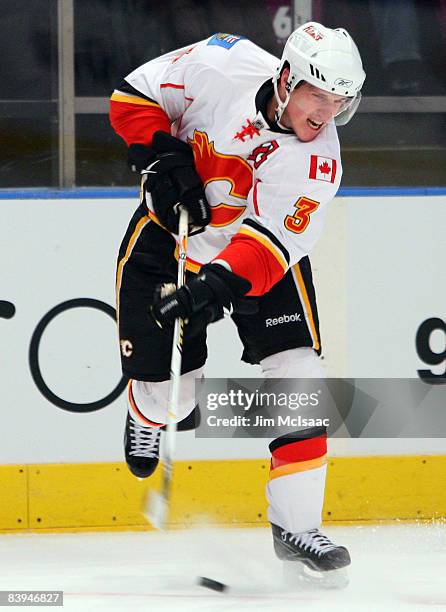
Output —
(301, 218)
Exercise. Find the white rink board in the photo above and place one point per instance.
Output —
(378, 269)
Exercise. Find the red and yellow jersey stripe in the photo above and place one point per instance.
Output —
(255, 254)
(136, 119)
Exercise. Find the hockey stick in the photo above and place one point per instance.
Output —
(159, 502)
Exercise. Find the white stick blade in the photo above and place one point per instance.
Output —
(156, 510)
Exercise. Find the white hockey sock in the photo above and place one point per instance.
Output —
(151, 399)
(296, 487)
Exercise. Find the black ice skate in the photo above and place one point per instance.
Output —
(141, 444)
(310, 556)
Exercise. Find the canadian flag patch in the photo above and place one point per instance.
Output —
(322, 169)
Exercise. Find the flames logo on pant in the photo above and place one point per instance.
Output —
(213, 166)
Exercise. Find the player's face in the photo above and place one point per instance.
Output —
(310, 109)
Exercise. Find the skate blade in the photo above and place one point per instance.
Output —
(156, 510)
(298, 576)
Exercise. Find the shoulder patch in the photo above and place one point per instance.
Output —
(322, 169)
(225, 40)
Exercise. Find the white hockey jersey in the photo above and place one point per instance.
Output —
(267, 189)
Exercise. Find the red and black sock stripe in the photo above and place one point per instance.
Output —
(298, 452)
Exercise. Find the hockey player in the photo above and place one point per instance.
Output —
(255, 160)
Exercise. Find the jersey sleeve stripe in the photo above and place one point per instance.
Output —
(252, 233)
(254, 198)
(137, 122)
(131, 99)
(261, 230)
(172, 85)
(306, 305)
(125, 87)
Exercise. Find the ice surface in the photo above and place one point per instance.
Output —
(395, 567)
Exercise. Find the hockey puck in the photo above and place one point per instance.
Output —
(214, 585)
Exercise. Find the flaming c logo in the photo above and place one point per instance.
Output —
(213, 166)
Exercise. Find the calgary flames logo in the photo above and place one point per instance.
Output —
(213, 166)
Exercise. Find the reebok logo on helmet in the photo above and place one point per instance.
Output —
(343, 82)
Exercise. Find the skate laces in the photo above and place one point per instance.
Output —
(144, 440)
(312, 540)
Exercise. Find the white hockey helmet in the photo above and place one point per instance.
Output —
(326, 58)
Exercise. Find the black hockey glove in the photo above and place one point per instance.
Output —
(139, 156)
(171, 179)
(205, 297)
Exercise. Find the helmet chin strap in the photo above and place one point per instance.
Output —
(281, 106)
